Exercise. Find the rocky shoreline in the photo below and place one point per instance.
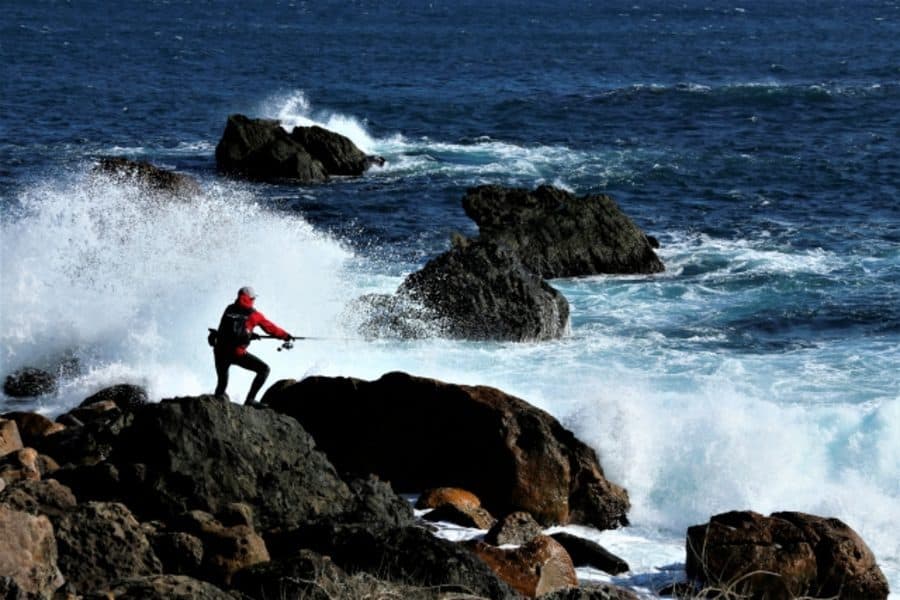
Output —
(197, 497)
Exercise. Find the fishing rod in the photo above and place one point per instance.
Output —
(287, 345)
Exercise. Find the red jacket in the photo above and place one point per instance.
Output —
(257, 318)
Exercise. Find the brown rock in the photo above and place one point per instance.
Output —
(89, 412)
(784, 555)
(161, 587)
(10, 440)
(846, 567)
(33, 426)
(47, 497)
(180, 553)
(477, 518)
(28, 552)
(102, 542)
(434, 497)
(515, 528)
(539, 567)
(404, 427)
(19, 465)
(226, 549)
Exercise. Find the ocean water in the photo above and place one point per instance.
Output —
(758, 141)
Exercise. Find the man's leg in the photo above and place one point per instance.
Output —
(222, 365)
(248, 361)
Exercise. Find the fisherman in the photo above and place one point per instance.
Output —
(230, 342)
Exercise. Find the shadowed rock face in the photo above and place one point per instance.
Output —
(481, 291)
(407, 430)
(785, 555)
(556, 234)
(261, 150)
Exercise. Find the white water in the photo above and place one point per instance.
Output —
(129, 284)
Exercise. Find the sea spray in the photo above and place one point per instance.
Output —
(128, 282)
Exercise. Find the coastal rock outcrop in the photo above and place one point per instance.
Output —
(148, 176)
(556, 234)
(784, 555)
(261, 150)
(406, 430)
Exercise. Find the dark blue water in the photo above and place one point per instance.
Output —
(758, 141)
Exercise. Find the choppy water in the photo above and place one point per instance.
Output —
(758, 142)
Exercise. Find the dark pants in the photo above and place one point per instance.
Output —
(224, 360)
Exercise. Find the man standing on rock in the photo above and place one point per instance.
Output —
(234, 335)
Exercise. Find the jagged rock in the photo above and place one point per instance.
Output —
(260, 149)
(33, 426)
(102, 542)
(539, 567)
(29, 382)
(125, 396)
(785, 555)
(28, 554)
(483, 292)
(515, 528)
(376, 503)
(99, 481)
(592, 592)
(203, 453)
(91, 412)
(180, 553)
(586, 553)
(404, 555)
(405, 430)
(87, 443)
(47, 497)
(10, 440)
(148, 175)
(162, 587)
(556, 234)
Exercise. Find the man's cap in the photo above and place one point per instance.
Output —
(247, 290)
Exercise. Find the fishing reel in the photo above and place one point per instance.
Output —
(286, 345)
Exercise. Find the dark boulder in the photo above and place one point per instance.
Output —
(482, 291)
(99, 543)
(515, 528)
(556, 234)
(260, 149)
(301, 575)
(586, 553)
(603, 591)
(785, 555)
(86, 443)
(148, 176)
(407, 430)
(205, 453)
(405, 555)
(375, 502)
(180, 553)
(47, 497)
(30, 381)
(125, 396)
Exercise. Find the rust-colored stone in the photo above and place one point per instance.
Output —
(541, 566)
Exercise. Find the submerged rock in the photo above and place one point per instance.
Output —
(260, 149)
(407, 430)
(785, 555)
(556, 234)
(586, 553)
(148, 176)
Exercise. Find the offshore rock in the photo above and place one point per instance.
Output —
(99, 543)
(539, 567)
(149, 176)
(261, 150)
(28, 554)
(405, 555)
(785, 555)
(482, 291)
(556, 234)
(29, 382)
(406, 430)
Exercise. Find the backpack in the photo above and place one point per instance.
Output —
(232, 330)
